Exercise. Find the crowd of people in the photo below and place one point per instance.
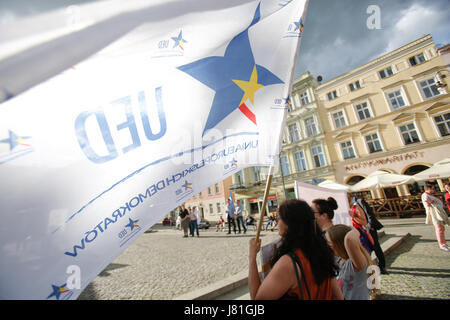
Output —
(320, 261)
(316, 259)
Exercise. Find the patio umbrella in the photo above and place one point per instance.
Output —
(439, 170)
(334, 185)
(382, 179)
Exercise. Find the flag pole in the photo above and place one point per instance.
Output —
(266, 195)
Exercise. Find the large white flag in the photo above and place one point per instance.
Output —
(113, 120)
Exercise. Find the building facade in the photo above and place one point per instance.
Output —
(212, 201)
(388, 114)
(304, 156)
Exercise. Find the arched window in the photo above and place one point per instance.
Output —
(417, 188)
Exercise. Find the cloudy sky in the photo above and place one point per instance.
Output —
(336, 38)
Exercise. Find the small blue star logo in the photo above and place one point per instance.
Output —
(132, 224)
(57, 291)
(187, 185)
(14, 140)
(299, 25)
(179, 41)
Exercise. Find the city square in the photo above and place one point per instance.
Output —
(197, 150)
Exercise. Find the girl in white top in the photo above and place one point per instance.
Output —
(436, 215)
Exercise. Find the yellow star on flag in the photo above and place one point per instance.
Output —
(249, 87)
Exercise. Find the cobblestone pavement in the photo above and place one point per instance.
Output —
(162, 265)
(418, 269)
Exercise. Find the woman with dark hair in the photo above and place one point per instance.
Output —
(303, 265)
(324, 212)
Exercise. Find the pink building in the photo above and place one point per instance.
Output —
(212, 201)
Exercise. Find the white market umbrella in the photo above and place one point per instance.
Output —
(439, 170)
(334, 185)
(382, 179)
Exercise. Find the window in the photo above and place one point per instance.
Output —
(211, 208)
(396, 99)
(304, 98)
(373, 143)
(284, 166)
(332, 95)
(318, 158)
(217, 187)
(443, 124)
(301, 162)
(363, 111)
(310, 125)
(339, 119)
(218, 207)
(257, 172)
(347, 150)
(209, 191)
(200, 195)
(354, 86)
(417, 59)
(293, 132)
(386, 73)
(239, 178)
(409, 133)
(429, 88)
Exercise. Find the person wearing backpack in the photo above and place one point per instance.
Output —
(303, 265)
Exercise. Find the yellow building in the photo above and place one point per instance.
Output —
(388, 115)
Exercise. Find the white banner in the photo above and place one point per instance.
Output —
(309, 192)
(182, 97)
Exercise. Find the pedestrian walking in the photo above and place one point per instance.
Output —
(220, 225)
(185, 219)
(324, 212)
(230, 216)
(435, 215)
(373, 225)
(303, 265)
(239, 218)
(354, 261)
(193, 225)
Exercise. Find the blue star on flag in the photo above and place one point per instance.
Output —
(235, 77)
(57, 291)
(132, 224)
(14, 140)
(299, 25)
(179, 41)
(187, 185)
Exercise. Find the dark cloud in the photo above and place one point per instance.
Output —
(336, 38)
